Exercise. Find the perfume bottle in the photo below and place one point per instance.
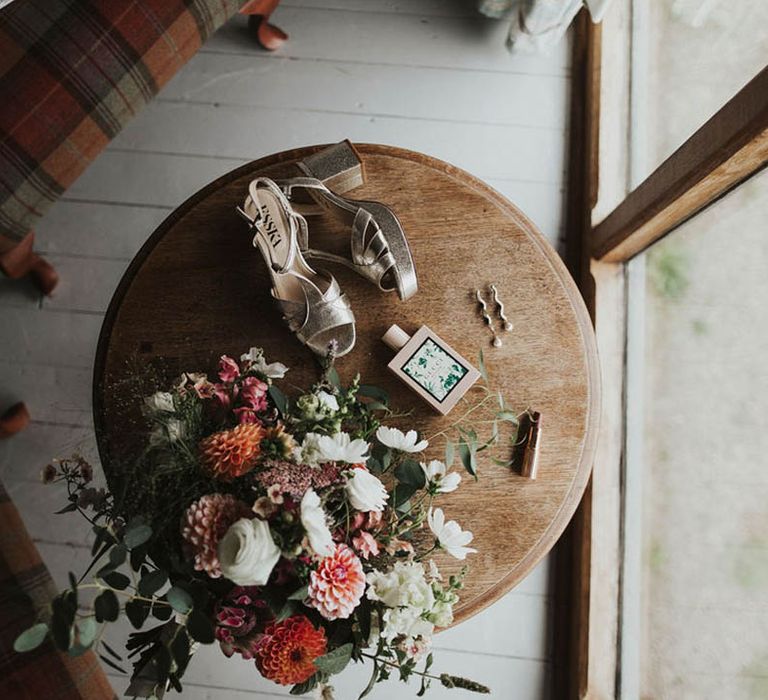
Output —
(429, 366)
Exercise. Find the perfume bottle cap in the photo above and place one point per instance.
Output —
(395, 337)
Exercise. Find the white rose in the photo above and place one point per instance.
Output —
(328, 401)
(247, 552)
(365, 492)
(160, 401)
(313, 520)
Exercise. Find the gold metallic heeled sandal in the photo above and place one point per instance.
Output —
(379, 249)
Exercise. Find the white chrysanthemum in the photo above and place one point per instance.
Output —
(398, 440)
(438, 476)
(342, 448)
(449, 534)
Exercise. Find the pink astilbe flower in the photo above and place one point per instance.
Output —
(337, 585)
(296, 479)
(228, 369)
(253, 393)
(365, 545)
(205, 523)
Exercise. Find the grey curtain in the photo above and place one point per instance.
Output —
(538, 24)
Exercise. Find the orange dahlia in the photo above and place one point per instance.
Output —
(232, 453)
(336, 587)
(288, 649)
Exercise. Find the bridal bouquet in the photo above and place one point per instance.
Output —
(296, 533)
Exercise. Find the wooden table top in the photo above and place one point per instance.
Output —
(197, 289)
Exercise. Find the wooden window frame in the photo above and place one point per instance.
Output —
(727, 150)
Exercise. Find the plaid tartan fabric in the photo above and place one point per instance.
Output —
(72, 73)
(26, 589)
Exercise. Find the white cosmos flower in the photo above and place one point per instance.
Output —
(313, 520)
(365, 492)
(255, 359)
(248, 553)
(341, 448)
(397, 440)
(436, 474)
(449, 534)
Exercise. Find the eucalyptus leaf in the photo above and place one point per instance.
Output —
(116, 580)
(300, 594)
(334, 661)
(373, 392)
(179, 599)
(410, 472)
(200, 628)
(137, 535)
(152, 581)
(450, 453)
(468, 457)
(402, 493)
(137, 612)
(106, 606)
(306, 686)
(31, 638)
(86, 631)
(279, 399)
(333, 377)
(481, 367)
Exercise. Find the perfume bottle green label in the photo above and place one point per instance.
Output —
(435, 370)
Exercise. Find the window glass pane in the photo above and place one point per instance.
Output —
(705, 485)
(701, 53)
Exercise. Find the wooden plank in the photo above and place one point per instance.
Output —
(97, 230)
(49, 338)
(572, 628)
(372, 90)
(237, 132)
(157, 180)
(52, 394)
(473, 44)
(418, 8)
(729, 148)
(85, 292)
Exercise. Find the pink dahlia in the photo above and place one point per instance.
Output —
(337, 585)
(205, 523)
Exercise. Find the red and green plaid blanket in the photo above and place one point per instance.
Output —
(72, 73)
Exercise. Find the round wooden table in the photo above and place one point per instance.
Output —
(197, 289)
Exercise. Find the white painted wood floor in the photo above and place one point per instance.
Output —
(425, 74)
